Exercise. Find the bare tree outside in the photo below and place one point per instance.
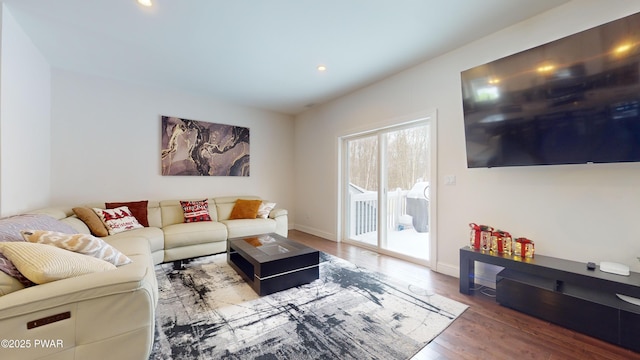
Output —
(363, 163)
(407, 155)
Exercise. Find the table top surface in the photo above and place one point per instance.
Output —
(269, 247)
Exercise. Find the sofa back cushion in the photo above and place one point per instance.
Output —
(154, 214)
(224, 205)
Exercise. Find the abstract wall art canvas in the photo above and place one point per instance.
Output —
(199, 148)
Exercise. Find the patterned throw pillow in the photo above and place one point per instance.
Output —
(117, 220)
(265, 209)
(81, 243)
(195, 211)
(7, 267)
(42, 263)
(138, 209)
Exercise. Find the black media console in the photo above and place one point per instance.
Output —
(563, 292)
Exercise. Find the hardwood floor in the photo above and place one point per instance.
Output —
(485, 330)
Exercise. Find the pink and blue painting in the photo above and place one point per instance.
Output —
(198, 148)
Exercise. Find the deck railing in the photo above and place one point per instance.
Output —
(364, 211)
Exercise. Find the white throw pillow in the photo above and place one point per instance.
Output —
(118, 220)
(265, 209)
(81, 243)
(42, 263)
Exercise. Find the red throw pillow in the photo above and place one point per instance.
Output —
(138, 210)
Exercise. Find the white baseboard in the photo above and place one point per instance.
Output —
(447, 269)
(483, 276)
(316, 232)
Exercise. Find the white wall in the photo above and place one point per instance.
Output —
(106, 144)
(25, 107)
(577, 212)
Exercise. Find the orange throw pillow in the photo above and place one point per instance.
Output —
(89, 217)
(245, 209)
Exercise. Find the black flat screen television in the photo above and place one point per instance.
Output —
(572, 101)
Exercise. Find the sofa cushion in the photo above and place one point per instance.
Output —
(195, 211)
(153, 236)
(138, 209)
(42, 263)
(245, 209)
(246, 227)
(117, 220)
(92, 220)
(81, 243)
(130, 246)
(193, 233)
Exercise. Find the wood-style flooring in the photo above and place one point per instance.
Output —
(485, 330)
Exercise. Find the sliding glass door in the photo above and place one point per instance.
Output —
(387, 190)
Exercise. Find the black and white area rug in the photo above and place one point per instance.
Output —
(207, 311)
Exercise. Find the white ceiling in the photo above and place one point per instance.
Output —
(259, 53)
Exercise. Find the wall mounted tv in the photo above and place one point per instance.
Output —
(572, 101)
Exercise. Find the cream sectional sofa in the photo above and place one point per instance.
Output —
(111, 315)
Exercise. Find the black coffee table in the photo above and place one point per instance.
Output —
(271, 263)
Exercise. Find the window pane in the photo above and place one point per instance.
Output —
(406, 172)
(363, 189)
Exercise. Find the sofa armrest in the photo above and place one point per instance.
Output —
(107, 315)
(282, 221)
(277, 213)
(124, 279)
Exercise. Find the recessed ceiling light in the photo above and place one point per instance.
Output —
(145, 2)
(321, 68)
